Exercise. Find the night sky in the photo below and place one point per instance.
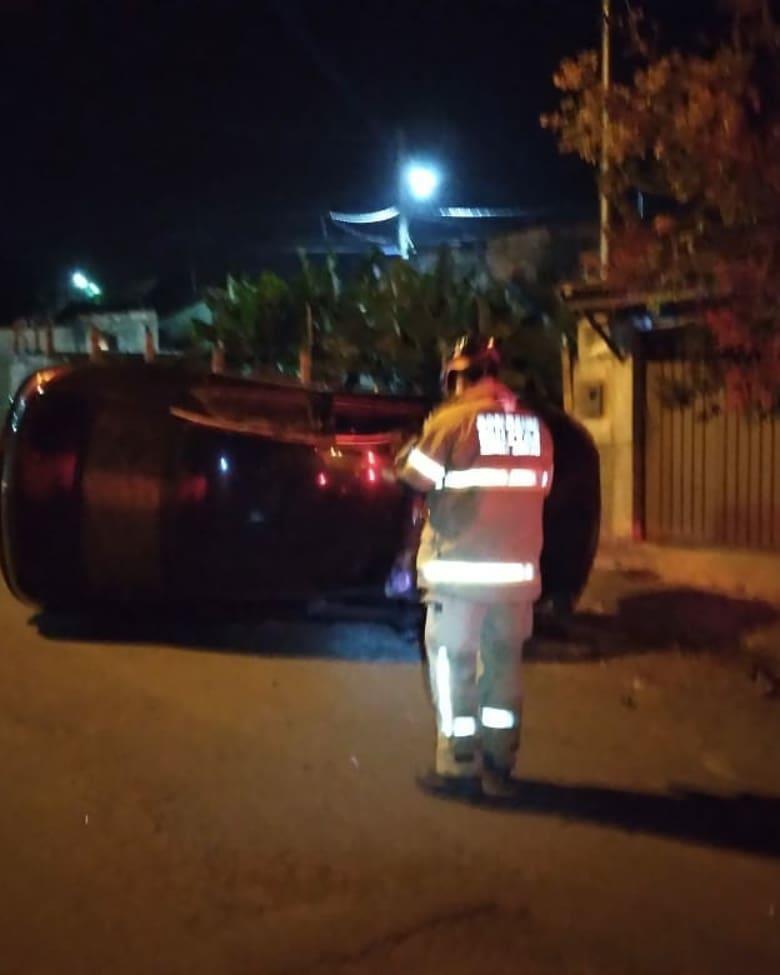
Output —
(145, 138)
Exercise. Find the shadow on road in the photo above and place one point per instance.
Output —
(639, 616)
(692, 618)
(337, 634)
(746, 822)
(653, 620)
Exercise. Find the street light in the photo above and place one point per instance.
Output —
(417, 183)
(422, 180)
(81, 282)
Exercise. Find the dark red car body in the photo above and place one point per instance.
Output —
(135, 483)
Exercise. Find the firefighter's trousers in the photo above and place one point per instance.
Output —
(474, 652)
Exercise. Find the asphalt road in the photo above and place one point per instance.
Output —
(242, 801)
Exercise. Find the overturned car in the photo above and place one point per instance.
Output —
(133, 483)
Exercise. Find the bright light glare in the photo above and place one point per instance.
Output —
(224, 464)
(81, 282)
(423, 181)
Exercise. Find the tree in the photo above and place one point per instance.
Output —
(408, 316)
(252, 318)
(528, 313)
(390, 321)
(699, 133)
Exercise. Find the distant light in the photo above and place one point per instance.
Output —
(371, 475)
(81, 282)
(371, 457)
(322, 479)
(423, 181)
(224, 465)
(644, 323)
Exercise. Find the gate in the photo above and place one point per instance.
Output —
(709, 479)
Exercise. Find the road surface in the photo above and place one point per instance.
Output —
(183, 799)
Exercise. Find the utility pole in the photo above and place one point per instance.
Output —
(606, 30)
(404, 240)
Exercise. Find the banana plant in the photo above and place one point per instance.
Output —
(252, 320)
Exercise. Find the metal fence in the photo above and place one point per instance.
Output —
(711, 476)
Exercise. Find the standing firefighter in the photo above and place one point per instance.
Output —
(485, 464)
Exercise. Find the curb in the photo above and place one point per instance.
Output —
(737, 572)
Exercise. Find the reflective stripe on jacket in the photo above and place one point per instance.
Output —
(486, 465)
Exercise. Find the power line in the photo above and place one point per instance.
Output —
(291, 17)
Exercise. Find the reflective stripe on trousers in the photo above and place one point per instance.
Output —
(474, 653)
(450, 725)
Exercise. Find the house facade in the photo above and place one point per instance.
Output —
(677, 465)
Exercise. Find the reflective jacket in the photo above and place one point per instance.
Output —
(486, 465)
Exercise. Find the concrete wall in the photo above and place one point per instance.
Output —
(127, 329)
(126, 332)
(31, 341)
(599, 392)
